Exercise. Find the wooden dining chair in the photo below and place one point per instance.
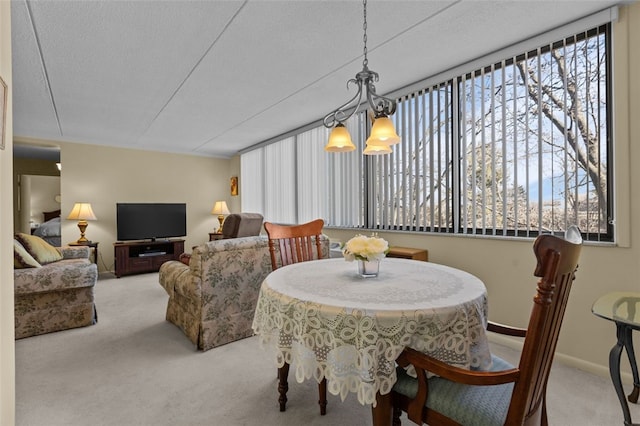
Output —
(292, 244)
(506, 395)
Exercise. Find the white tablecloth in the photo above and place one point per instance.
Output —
(324, 320)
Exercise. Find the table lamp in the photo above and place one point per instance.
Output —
(220, 208)
(82, 212)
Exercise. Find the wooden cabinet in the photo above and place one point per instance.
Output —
(409, 253)
(145, 256)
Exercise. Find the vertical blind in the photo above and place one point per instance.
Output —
(294, 180)
(517, 148)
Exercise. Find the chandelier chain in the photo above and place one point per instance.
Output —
(365, 62)
(364, 81)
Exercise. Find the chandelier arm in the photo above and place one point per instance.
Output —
(381, 105)
(385, 134)
(342, 113)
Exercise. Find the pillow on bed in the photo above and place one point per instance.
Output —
(42, 251)
(50, 228)
(21, 257)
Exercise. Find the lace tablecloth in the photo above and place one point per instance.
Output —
(324, 320)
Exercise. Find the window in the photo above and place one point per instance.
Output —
(515, 148)
(534, 141)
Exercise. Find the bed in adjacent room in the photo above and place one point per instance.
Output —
(50, 229)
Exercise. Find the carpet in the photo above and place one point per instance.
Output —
(133, 368)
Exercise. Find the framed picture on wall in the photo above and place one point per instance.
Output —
(234, 185)
(3, 110)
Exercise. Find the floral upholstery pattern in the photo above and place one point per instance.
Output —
(56, 296)
(213, 299)
(75, 252)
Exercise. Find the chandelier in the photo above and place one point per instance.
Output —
(383, 134)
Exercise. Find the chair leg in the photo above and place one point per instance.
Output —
(283, 385)
(397, 412)
(381, 413)
(543, 420)
(322, 394)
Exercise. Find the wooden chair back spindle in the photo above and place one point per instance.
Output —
(294, 243)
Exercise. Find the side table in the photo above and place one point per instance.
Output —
(623, 308)
(92, 244)
(214, 236)
(409, 253)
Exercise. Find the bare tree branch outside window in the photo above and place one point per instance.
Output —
(528, 152)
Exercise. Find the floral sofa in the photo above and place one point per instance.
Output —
(213, 298)
(57, 295)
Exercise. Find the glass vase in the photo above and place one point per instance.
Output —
(368, 269)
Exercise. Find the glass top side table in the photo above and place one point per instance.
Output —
(623, 308)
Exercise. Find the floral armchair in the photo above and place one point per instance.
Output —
(55, 296)
(213, 298)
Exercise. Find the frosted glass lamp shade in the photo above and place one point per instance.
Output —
(377, 150)
(383, 132)
(339, 140)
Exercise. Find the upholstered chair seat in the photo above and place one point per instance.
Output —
(466, 404)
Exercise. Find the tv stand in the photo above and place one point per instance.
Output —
(138, 257)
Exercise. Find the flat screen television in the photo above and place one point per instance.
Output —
(149, 221)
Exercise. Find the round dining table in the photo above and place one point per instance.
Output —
(324, 320)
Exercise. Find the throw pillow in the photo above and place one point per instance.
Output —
(21, 257)
(42, 251)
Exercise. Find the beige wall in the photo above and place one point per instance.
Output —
(104, 176)
(507, 266)
(43, 191)
(28, 166)
(7, 354)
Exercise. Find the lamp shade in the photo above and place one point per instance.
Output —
(377, 150)
(220, 207)
(82, 211)
(383, 132)
(339, 140)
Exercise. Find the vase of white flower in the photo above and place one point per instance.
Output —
(368, 251)
(368, 269)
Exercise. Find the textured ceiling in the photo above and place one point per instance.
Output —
(213, 77)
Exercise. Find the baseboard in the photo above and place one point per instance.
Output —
(570, 361)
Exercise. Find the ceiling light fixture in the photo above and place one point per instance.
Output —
(383, 134)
